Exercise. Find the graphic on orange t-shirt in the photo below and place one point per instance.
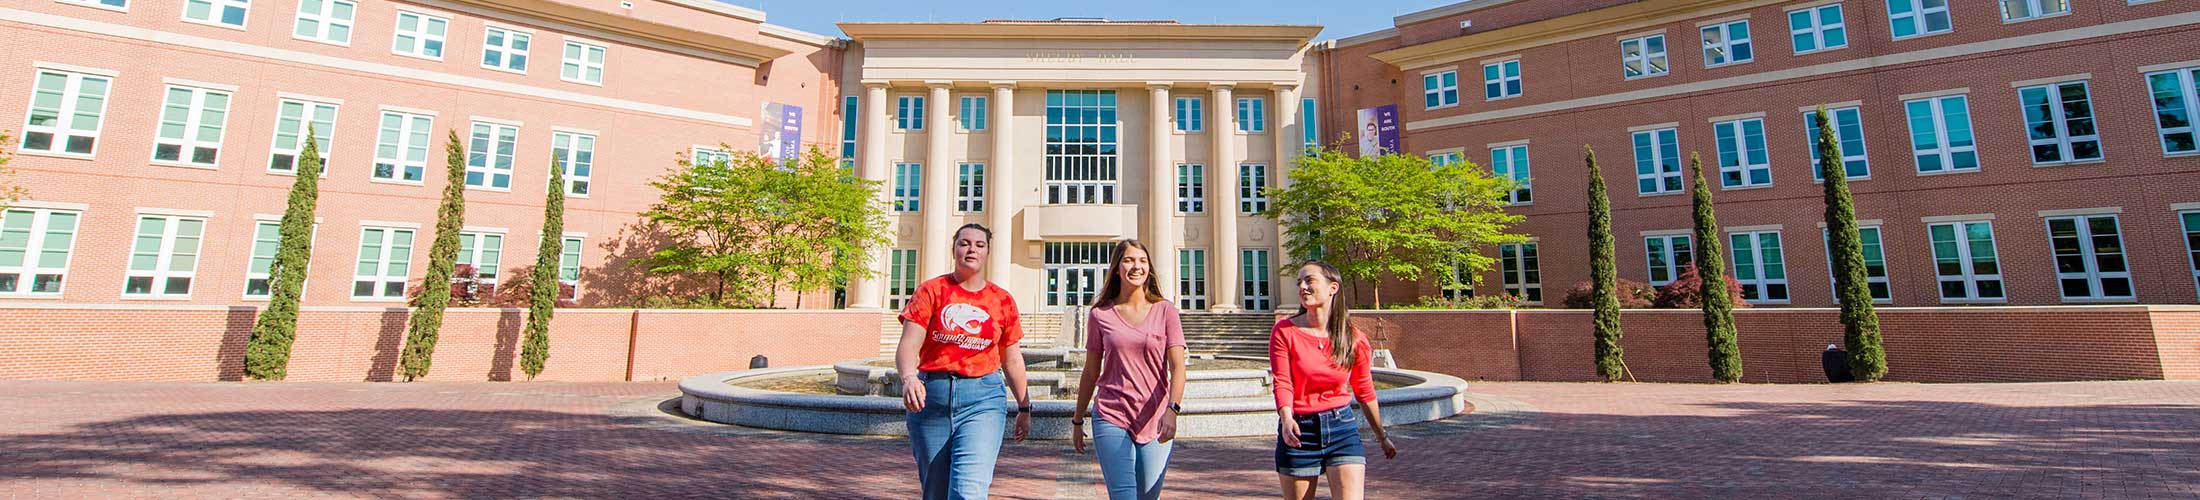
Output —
(963, 329)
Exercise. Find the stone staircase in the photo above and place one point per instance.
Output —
(1040, 330)
(1236, 334)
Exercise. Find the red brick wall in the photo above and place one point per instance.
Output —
(676, 344)
(1469, 344)
(2177, 331)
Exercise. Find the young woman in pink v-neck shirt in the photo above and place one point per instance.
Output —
(1134, 363)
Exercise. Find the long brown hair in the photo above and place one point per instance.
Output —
(1343, 340)
(1114, 283)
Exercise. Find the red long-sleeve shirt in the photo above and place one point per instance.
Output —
(1307, 380)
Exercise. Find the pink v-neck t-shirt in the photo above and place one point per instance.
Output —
(1133, 389)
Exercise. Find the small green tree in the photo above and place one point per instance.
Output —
(1393, 216)
(435, 288)
(754, 225)
(543, 292)
(267, 354)
(1859, 320)
(833, 224)
(9, 192)
(1718, 307)
(1604, 295)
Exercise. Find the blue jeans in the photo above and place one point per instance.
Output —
(957, 438)
(1327, 439)
(1132, 471)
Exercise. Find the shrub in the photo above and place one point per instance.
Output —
(1499, 301)
(1684, 292)
(1632, 295)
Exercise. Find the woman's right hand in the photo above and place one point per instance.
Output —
(912, 394)
(1077, 436)
(1289, 430)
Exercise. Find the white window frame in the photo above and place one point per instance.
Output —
(1653, 64)
(1947, 151)
(570, 251)
(1762, 284)
(100, 4)
(214, 11)
(421, 35)
(506, 54)
(1524, 277)
(2188, 102)
(308, 118)
(35, 248)
(582, 65)
(2039, 9)
(705, 156)
(970, 113)
(969, 188)
(274, 251)
(901, 282)
(909, 112)
(326, 21)
(1665, 250)
(851, 111)
(1252, 188)
(1818, 29)
(1439, 90)
(195, 122)
(1507, 82)
(1512, 161)
(406, 135)
(1191, 115)
(1919, 13)
(1252, 113)
(1727, 43)
(1860, 154)
(484, 138)
(473, 252)
(1658, 162)
(1968, 262)
(1191, 281)
(2058, 120)
(2092, 273)
(578, 184)
(908, 189)
(383, 264)
(1825, 236)
(1257, 284)
(1191, 188)
(1740, 155)
(2191, 232)
(164, 257)
(65, 113)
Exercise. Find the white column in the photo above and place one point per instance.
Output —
(938, 201)
(1289, 142)
(1161, 189)
(1222, 177)
(1000, 205)
(869, 292)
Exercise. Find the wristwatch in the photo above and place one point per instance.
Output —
(1025, 408)
(1176, 408)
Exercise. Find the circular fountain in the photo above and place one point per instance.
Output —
(1224, 396)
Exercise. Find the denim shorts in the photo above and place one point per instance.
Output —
(1326, 439)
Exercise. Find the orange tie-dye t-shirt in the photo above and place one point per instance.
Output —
(964, 331)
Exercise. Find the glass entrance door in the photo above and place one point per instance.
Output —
(1074, 271)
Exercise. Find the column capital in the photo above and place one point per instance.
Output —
(939, 84)
(876, 84)
(1001, 84)
(1159, 85)
(1222, 86)
(1287, 86)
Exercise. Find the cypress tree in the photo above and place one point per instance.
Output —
(267, 355)
(1718, 307)
(435, 288)
(543, 297)
(1859, 320)
(1604, 295)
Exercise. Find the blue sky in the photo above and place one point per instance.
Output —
(1342, 18)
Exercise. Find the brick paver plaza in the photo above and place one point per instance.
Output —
(2123, 440)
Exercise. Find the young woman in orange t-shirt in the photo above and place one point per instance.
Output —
(958, 336)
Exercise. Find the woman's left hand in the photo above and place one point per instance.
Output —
(1389, 450)
(1023, 425)
(1168, 425)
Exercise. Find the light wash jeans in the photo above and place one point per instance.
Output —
(1132, 471)
(957, 438)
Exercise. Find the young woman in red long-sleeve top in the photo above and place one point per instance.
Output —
(1315, 385)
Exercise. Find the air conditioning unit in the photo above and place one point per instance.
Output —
(1469, 23)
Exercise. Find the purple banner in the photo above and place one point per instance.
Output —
(1378, 130)
(780, 133)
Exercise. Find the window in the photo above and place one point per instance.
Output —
(1309, 124)
(191, 121)
(583, 63)
(902, 281)
(1669, 256)
(1501, 80)
(385, 256)
(267, 237)
(850, 108)
(578, 152)
(117, 5)
(2089, 257)
(1438, 90)
(909, 112)
(1452, 157)
(489, 155)
(1191, 115)
(483, 251)
(1742, 159)
(970, 187)
(973, 113)
(1523, 275)
(1252, 114)
(1658, 162)
(708, 156)
(1074, 271)
(1965, 260)
(1918, 17)
(908, 186)
(1759, 266)
(2018, 10)
(1257, 275)
(164, 257)
(1875, 263)
(325, 21)
(1191, 188)
(1728, 43)
(1252, 188)
(1818, 28)
(228, 13)
(1848, 131)
(420, 35)
(2059, 121)
(1191, 282)
(1461, 286)
(292, 119)
(1940, 134)
(505, 49)
(1643, 57)
(569, 268)
(2191, 220)
(34, 250)
(65, 113)
(1081, 155)
(401, 149)
(2174, 103)
(1511, 162)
